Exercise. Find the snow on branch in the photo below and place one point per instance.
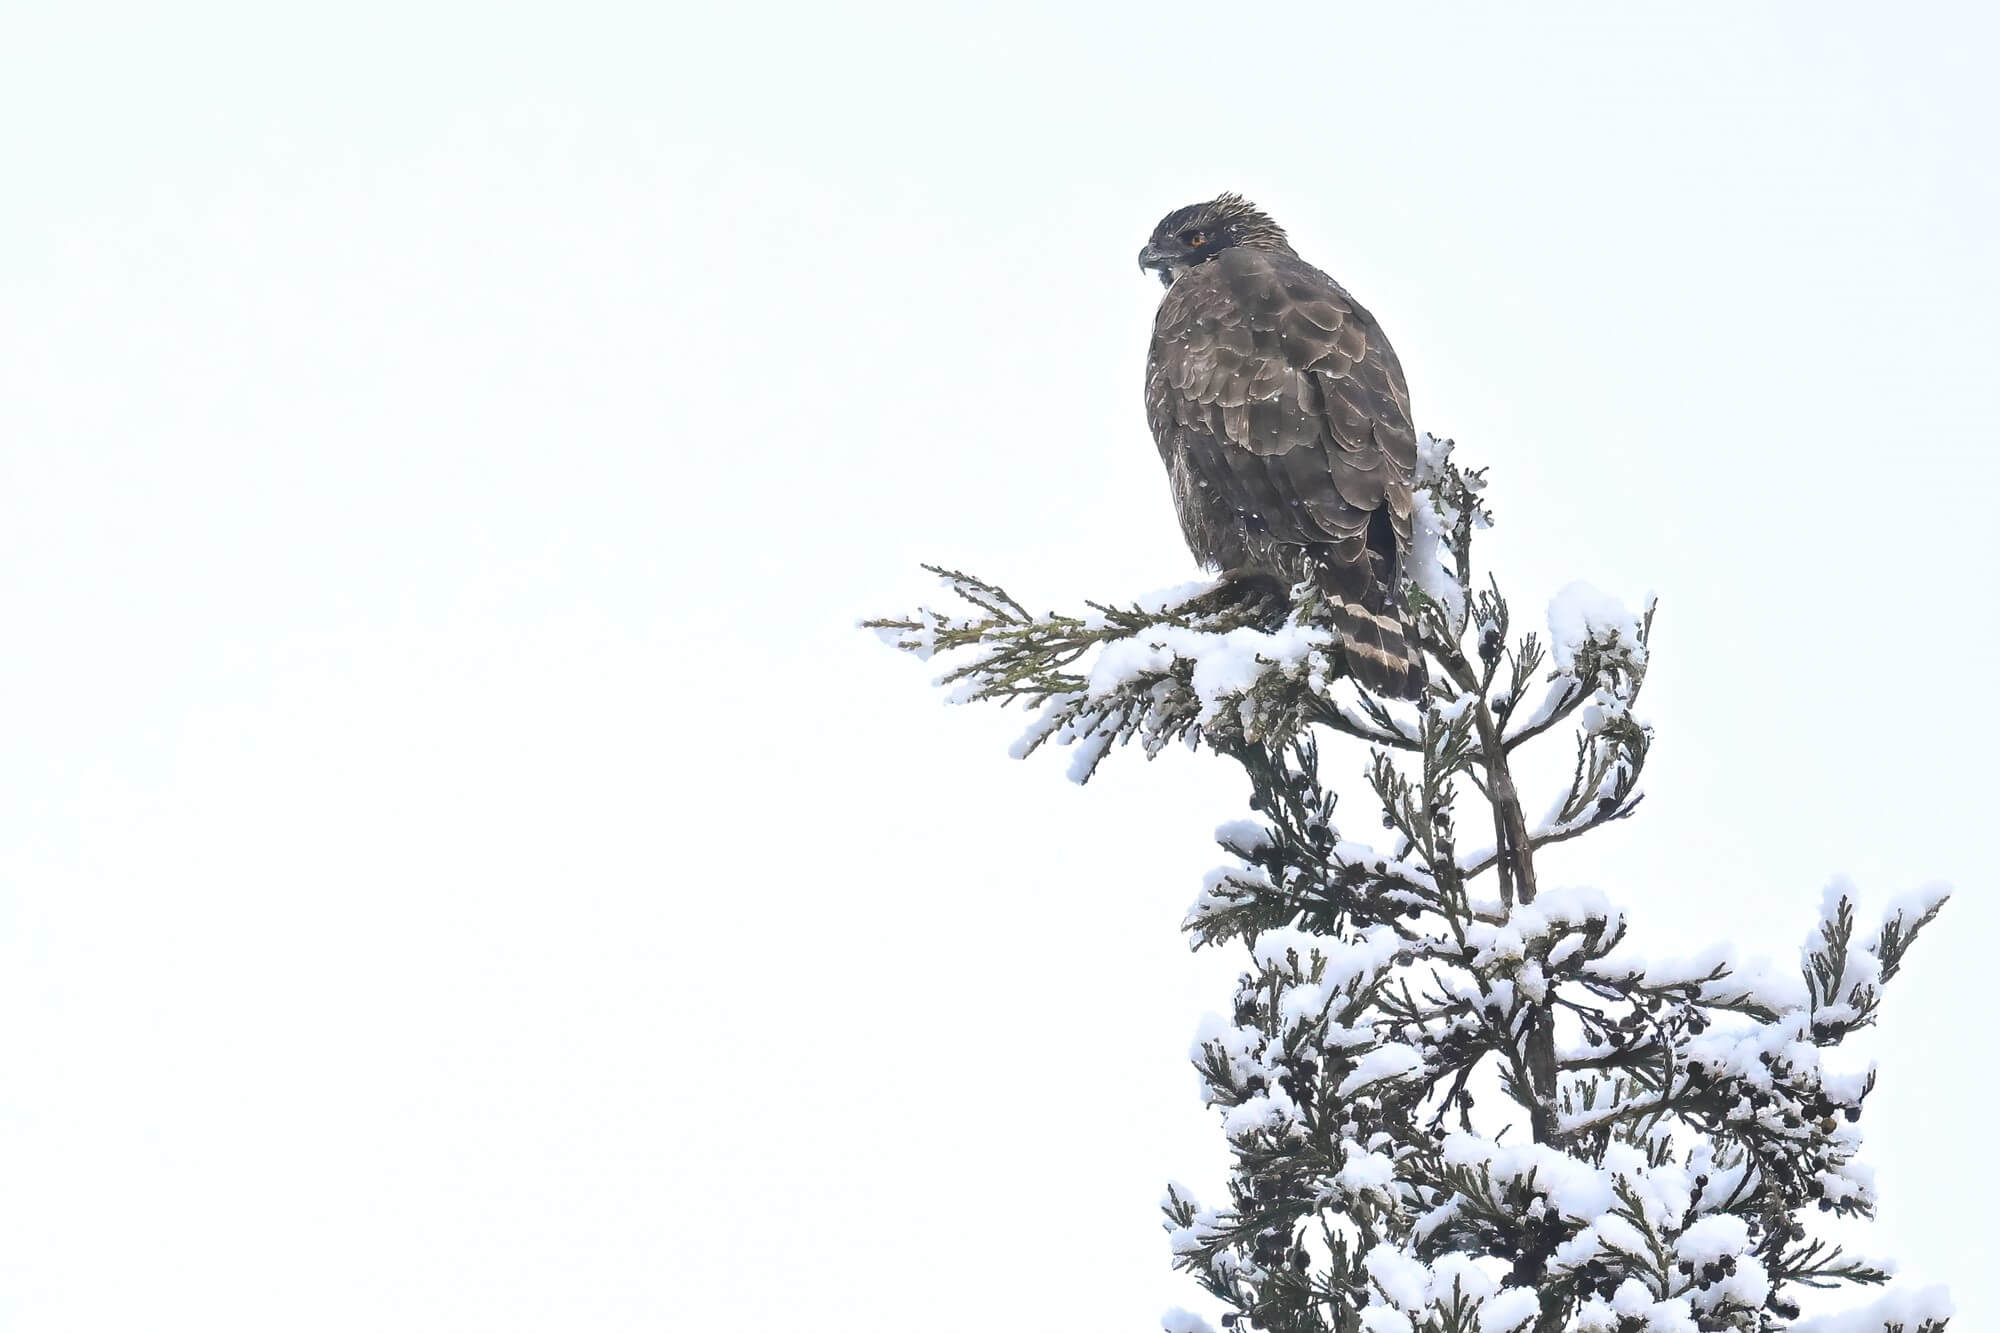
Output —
(1199, 662)
(1922, 1310)
(1457, 1098)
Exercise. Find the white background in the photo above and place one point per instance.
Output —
(461, 869)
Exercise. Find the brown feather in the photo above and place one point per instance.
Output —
(1283, 419)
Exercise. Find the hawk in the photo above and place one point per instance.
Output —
(1284, 422)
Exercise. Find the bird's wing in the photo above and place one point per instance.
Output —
(1288, 397)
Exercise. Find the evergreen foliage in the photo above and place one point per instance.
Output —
(1457, 1100)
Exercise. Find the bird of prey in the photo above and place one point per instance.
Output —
(1284, 422)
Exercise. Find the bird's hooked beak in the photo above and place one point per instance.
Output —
(1159, 261)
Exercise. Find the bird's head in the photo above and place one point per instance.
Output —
(1198, 233)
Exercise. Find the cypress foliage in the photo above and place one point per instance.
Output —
(1458, 1100)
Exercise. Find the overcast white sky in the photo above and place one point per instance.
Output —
(460, 869)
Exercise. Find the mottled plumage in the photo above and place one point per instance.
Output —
(1284, 422)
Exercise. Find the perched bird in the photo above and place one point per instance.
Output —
(1282, 416)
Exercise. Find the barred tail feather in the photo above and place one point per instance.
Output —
(1381, 649)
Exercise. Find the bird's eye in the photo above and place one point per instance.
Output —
(1194, 240)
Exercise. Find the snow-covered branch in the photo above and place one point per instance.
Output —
(1454, 1103)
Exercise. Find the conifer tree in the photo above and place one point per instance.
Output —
(1457, 1100)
